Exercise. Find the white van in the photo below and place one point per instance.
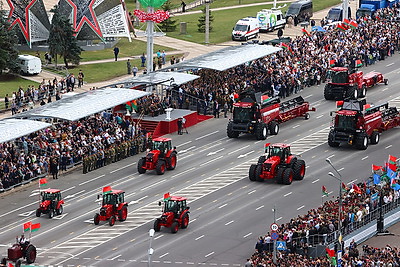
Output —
(271, 19)
(245, 29)
(29, 64)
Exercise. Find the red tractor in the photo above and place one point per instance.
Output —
(175, 214)
(113, 207)
(52, 203)
(161, 157)
(18, 251)
(279, 164)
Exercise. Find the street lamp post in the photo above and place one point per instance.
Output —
(207, 30)
(274, 250)
(151, 250)
(340, 204)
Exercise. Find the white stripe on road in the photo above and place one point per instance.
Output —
(228, 223)
(260, 207)
(285, 195)
(201, 137)
(212, 160)
(95, 178)
(163, 255)
(199, 237)
(313, 182)
(123, 167)
(247, 235)
(299, 208)
(209, 254)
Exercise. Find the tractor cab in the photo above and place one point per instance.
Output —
(175, 204)
(338, 75)
(280, 150)
(175, 213)
(51, 195)
(114, 198)
(113, 206)
(162, 144)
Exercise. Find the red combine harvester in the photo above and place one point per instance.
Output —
(279, 164)
(175, 214)
(19, 251)
(345, 83)
(161, 157)
(52, 203)
(252, 116)
(113, 207)
(357, 123)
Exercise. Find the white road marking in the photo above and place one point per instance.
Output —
(188, 142)
(251, 192)
(140, 199)
(299, 208)
(91, 180)
(115, 257)
(308, 96)
(147, 187)
(247, 235)
(211, 160)
(341, 169)
(73, 195)
(262, 206)
(390, 64)
(186, 150)
(215, 152)
(320, 116)
(163, 255)
(209, 254)
(298, 125)
(199, 237)
(245, 155)
(285, 195)
(228, 223)
(184, 172)
(123, 167)
(201, 137)
(389, 146)
(238, 149)
(158, 237)
(220, 207)
(364, 158)
(313, 182)
(280, 218)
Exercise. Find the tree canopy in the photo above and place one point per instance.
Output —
(8, 42)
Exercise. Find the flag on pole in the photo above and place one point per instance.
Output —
(286, 47)
(353, 24)
(376, 168)
(27, 226)
(35, 227)
(128, 106)
(356, 189)
(265, 99)
(391, 174)
(134, 105)
(43, 182)
(394, 185)
(167, 196)
(304, 31)
(344, 187)
(332, 62)
(324, 191)
(392, 163)
(346, 22)
(341, 27)
(358, 63)
(107, 190)
(377, 178)
(10, 264)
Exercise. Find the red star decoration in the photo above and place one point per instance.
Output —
(20, 8)
(80, 15)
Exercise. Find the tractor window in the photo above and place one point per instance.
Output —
(275, 151)
(346, 122)
(110, 199)
(171, 206)
(242, 114)
(158, 146)
(48, 196)
(120, 198)
(168, 145)
(339, 77)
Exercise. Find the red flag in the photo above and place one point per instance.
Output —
(357, 190)
(304, 31)
(43, 182)
(167, 196)
(286, 47)
(339, 103)
(376, 168)
(353, 24)
(107, 190)
(35, 227)
(27, 226)
(324, 191)
(392, 163)
(342, 27)
(344, 187)
(330, 252)
(10, 265)
(346, 22)
(367, 106)
(332, 62)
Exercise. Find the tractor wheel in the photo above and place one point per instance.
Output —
(299, 169)
(261, 159)
(287, 176)
(30, 254)
(307, 116)
(18, 263)
(252, 172)
(327, 92)
(38, 213)
(160, 167)
(274, 128)
(385, 81)
(352, 93)
(185, 221)
(123, 214)
(230, 132)
(60, 210)
(171, 161)
(140, 165)
(157, 226)
(259, 173)
(261, 131)
(3, 261)
(96, 219)
(361, 141)
(279, 175)
(174, 227)
(363, 91)
(51, 213)
(374, 138)
(112, 220)
(331, 140)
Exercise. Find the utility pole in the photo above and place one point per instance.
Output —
(150, 42)
(274, 251)
(207, 31)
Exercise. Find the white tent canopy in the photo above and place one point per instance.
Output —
(11, 129)
(227, 57)
(159, 77)
(84, 104)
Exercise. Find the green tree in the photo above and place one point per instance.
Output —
(8, 41)
(62, 41)
(168, 25)
(202, 21)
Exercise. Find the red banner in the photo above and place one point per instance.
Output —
(157, 17)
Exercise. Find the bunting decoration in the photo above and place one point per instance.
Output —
(157, 17)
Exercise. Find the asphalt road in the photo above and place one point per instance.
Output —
(228, 211)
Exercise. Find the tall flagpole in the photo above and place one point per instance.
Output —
(150, 44)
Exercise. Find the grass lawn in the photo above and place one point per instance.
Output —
(10, 83)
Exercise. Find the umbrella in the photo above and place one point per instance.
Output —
(317, 29)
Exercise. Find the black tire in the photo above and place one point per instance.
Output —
(385, 81)
(331, 140)
(185, 221)
(30, 254)
(274, 128)
(299, 169)
(18, 263)
(157, 226)
(123, 214)
(174, 227)
(287, 176)
(363, 91)
(3, 261)
(252, 172)
(140, 165)
(328, 93)
(362, 141)
(38, 213)
(96, 219)
(112, 220)
(375, 138)
(230, 132)
(60, 210)
(261, 159)
(307, 116)
(352, 93)
(261, 131)
(279, 175)
(160, 167)
(258, 173)
(171, 161)
(51, 213)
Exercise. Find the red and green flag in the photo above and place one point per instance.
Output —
(134, 105)
(107, 190)
(304, 31)
(128, 106)
(286, 47)
(324, 191)
(392, 163)
(367, 107)
(341, 27)
(43, 182)
(35, 227)
(353, 24)
(167, 196)
(356, 189)
(331, 254)
(332, 62)
(344, 187)
(339, 103)
(376, 168)
(358, 63)
(346, 22)
(264, 99)
(27, 226)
